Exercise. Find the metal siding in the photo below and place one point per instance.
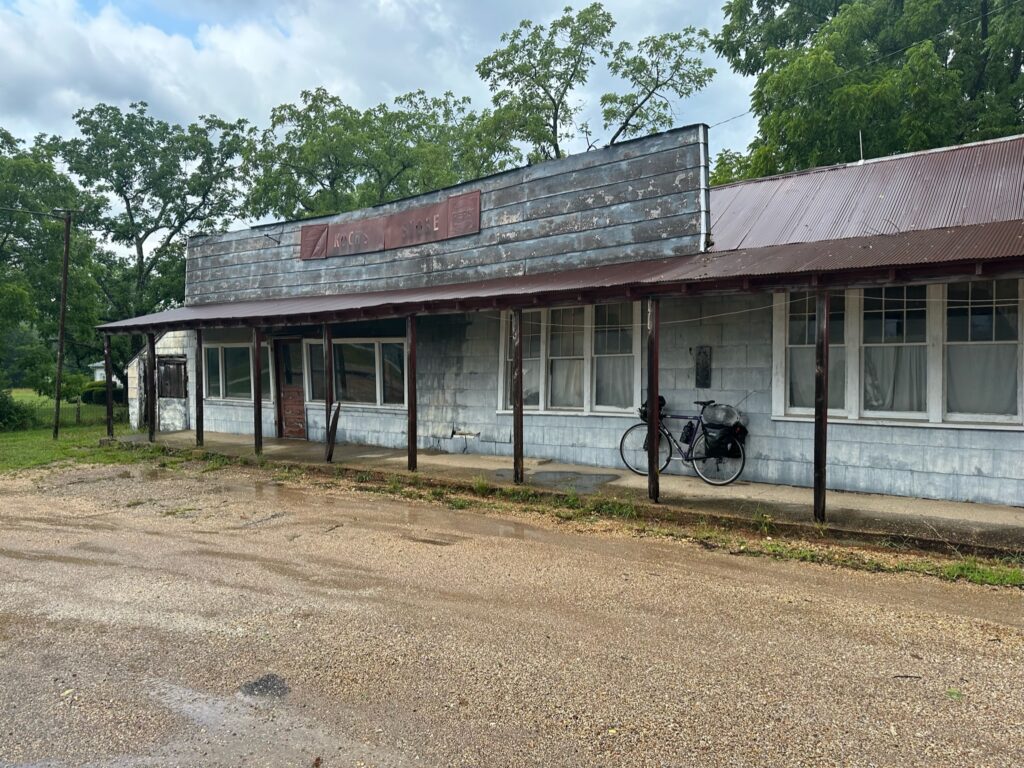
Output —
(956, 186)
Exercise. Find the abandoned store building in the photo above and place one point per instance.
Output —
(403, 314)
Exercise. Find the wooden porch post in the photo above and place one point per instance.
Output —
(410, 372)
(200, 386)
(151, 410)
(517, 396)
(107, 370)
(821, 404)
(653, 411)
(257, 391)
(328, 388)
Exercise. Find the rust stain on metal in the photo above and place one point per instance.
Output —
(313, 242)
(983, 242)
(351, 237)
(464, 214)
(956, 186)
(423, 224)
(455, 217)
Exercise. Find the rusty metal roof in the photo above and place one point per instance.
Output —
(845, 259)
(965, 185)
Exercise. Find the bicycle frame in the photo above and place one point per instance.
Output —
(685, 454)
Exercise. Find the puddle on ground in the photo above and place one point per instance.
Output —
(581, 482)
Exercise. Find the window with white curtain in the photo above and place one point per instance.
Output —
(566, 332)
(582, 359)
(613, 355)
(894, 366)
(801, 336)
(531, 340)
(982, 330)
(929, 353)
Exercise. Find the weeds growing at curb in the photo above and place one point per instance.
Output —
(752, 537)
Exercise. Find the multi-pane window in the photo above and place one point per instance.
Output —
(576, 359)
(895, 355)
(228, 372)
(566, 332)
(170, 377)
(934, 353)
(982, 329)
(531, 338)
(613, 355)
(366, 372)
(801, 363)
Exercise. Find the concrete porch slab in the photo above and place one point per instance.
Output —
(943, 523)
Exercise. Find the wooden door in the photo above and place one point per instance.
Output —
(290, 389)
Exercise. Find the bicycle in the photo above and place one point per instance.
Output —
(718, 458)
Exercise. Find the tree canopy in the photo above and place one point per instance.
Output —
(905, 75)
(536, 75)
(324, 156)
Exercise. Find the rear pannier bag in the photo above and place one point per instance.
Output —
(725, 442)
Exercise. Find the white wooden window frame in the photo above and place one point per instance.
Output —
(969, 418)
(267, 350)
(378, 371)
(589, 408)
(797, 411)
(935, 414)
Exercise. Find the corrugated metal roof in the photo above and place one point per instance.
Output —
(927, 247)
(970, 184)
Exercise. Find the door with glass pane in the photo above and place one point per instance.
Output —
(290, 391)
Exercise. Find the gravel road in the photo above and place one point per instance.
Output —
(157, 617)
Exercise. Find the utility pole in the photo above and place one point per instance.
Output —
(65, 215)
(63, 314)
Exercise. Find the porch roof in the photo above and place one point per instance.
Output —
(922, 254)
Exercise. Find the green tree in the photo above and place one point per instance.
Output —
(162, 182)
(323, 156)
(31, 253)
(902, 75)
(536, 74)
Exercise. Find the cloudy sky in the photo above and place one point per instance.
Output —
(240, 58)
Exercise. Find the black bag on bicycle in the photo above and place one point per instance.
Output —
(661, 409)
(724, 431)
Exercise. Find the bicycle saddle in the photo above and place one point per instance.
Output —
(703, 403)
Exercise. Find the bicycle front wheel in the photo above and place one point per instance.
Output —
(633, 449)
(716, 470)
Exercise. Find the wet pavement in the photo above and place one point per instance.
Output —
(174, 617)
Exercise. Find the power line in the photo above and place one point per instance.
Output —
(889, 55)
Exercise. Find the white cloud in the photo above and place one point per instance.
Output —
(240, 58)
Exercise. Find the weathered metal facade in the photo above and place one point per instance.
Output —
(636, 201)
(632, 222)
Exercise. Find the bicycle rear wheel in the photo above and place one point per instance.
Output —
(716, 470)
(633, 449)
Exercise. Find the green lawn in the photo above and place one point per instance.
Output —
(71, 414)
(30, 398)
(36, 447)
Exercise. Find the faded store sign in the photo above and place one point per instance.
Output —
(454, 217)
